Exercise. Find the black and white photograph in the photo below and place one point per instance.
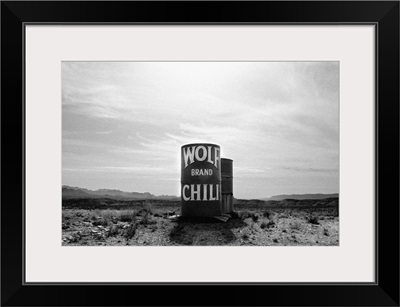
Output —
(200, 153)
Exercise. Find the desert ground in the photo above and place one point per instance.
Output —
(108, 222)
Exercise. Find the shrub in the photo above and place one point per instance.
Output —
(267, 224)
(255, 217)
(75, 237)
(326, 232)
(149, 208)
(245, 234)
(102, 218)
(264, 224)
(312, 219)
(127, 216)
(267, 214)
(95, 214)
(131, 230)
(148, 220)
(270, 224)
(107, 220)
(113, 231)
(245, 215)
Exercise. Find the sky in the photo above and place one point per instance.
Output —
(123, 124)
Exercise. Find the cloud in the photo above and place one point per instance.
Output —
(145, 169)
(272, 118)
(104, 132)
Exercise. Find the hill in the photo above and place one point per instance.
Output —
(301, 196)
(287, 203)
(76, 192)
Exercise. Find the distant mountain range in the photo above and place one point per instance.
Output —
(301, 196)
(69, 192)
(76, 192)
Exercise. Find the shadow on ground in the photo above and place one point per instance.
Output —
(204, 231)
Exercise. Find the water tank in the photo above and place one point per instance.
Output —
(227, 185)
(200, 180)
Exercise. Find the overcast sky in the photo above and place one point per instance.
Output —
(124, 123)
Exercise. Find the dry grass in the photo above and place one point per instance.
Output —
(106, 217)
(151, 224)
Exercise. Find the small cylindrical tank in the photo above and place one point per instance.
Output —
(200, 180)
(227, 185)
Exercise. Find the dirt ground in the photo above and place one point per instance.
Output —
(157, 223)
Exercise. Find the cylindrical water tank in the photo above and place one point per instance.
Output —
(227, 185)
(201, 180)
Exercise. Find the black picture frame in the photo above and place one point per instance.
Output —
(383, 14)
